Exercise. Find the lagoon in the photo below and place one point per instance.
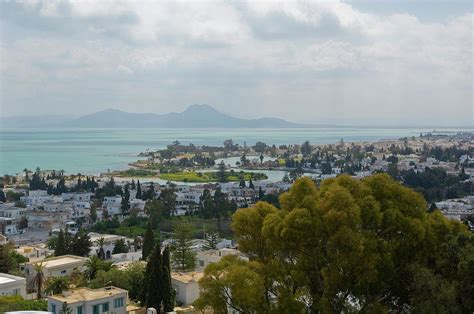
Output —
(92, 151)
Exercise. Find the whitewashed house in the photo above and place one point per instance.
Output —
(12, 285)
(91, 301)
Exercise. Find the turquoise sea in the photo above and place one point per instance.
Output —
(91, 151)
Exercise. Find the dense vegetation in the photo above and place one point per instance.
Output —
(435, 184)
(16, 303)
(348, 246)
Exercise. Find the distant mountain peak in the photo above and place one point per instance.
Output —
(200, 108)
(111, 110)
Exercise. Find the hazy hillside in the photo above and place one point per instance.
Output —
(195, 116)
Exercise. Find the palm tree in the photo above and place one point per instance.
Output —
(56, 285)
(38, 279)
(101, 242)
(93, 265)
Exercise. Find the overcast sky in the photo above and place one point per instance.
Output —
(401, 62)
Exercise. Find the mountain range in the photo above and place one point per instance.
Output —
(195, 116)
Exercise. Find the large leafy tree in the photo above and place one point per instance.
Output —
(352, 245)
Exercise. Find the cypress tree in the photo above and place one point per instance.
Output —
(251, 184)
(139, 190)
(168, 291)
(148, 242)
(61, 246)
(155, 284)
(126, 201)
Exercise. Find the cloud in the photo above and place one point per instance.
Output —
(321, 59)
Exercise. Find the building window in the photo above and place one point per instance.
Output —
(95, 309)
(53, 308)
(63, 272)
(105, 307)
(118, 302)
(201, 263)
(79, 310)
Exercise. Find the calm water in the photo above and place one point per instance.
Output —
(91, 151)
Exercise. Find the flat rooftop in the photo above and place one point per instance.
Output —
(187, 277)
(62, 261)
(6, 278)
(86, 294)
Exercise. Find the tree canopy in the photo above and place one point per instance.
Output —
(350, 245)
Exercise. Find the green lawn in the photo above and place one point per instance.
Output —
(201, 177)
(134, 173)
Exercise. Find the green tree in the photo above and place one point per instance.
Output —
(138, 195)
(101, 253)
(154, 284)
(168, 198)
(168, 291)
(125, 205)
(232, 283)
(183, 257)
(16, 303)
(148, 242)
(211, 239)
(120, 247)
(61, 247)
(56, 285)
(348, 246)
(5, 261)
(221, 174)
(306, 149)
(38, 279)
(94, 264)
(2, 195)
(154, 208)
(80, 244)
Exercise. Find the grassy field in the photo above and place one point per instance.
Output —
(134, 173)
(202, 177)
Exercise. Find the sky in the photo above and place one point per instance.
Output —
(358, 62)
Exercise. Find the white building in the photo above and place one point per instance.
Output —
(110, 300)
(56, 266)
(82, 197)
(33, 252)
(8, 226)
(109, 244)
(12, 285)
(12, 211)
(186, 286)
